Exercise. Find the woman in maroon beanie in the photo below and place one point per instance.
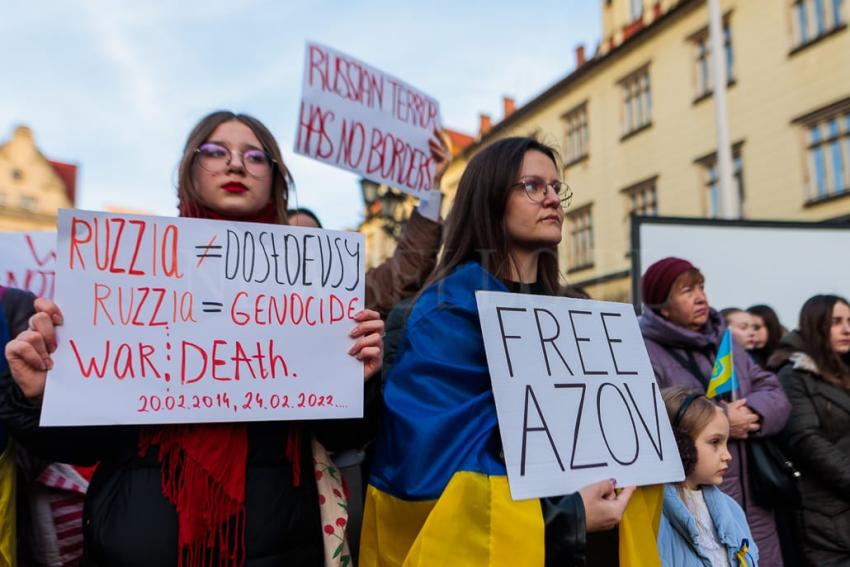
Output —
(682, 333)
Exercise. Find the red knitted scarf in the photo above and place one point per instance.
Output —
(203, 467)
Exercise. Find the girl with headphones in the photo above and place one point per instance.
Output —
(700, 525)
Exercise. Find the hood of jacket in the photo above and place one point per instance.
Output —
(729, 532)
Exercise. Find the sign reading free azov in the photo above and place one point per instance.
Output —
(575, 395)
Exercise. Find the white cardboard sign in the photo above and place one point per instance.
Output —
(28, 261)
(575, 395)
(358, 118)
(173, 320)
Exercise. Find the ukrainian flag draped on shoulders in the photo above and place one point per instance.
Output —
(438, 493)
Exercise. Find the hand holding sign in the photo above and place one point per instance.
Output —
(190, 321)
(575, 395)
(604, 505)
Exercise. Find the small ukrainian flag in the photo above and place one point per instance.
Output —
(723, 378)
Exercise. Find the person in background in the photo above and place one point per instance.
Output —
(700, 525)
(682, 334)
(768, 332)
(816, 378)
(438, 491)
(227, 494)
(740, 323)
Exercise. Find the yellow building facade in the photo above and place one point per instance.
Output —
(635, 123)
(32, 188)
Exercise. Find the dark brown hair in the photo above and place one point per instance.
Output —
(188, 195)
(475, 227)
(775, 332)
(815, 329)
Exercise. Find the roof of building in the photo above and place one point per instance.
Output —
(459, 141)
(67, 172)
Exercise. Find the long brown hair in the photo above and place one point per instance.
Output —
(475, 227)
(774, 328)
(815, 329)
(187, 193)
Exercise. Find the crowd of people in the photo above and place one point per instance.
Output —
(252, 494)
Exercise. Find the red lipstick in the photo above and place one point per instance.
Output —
(234, 187)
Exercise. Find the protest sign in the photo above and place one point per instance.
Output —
(186, 320)
(29, 261)
(358, 118)
(575, 394)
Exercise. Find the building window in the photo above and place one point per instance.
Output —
(577, 134)
(635, 10)
(813, 19)
(580, 228)
(711, 182)
(641, 198)
(28, 202)
(828, 148)
(702, 49)
(637, 101)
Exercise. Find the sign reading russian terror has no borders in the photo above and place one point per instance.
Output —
(186, 320)
(575, 395)
(358, 118)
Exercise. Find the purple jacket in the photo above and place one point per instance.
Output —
(765, 396)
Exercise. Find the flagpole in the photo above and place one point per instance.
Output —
(730, 206)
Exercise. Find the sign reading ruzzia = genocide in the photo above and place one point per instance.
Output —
(358, 118)
(185, 320)
(29, 261)
(575, 395)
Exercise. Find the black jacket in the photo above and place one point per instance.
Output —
(817, 439)
(127, 520)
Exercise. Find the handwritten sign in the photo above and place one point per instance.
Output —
(184, 320)
(575, 395)
(29, 261)
(358, 118)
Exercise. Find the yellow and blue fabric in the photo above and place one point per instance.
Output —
(438, 493)
(8, 534)
(723, 378)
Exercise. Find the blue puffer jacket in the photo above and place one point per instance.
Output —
(678, 539)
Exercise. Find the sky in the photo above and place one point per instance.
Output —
(115, 87)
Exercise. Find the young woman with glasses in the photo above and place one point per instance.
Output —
(207, 494)
(438, 490)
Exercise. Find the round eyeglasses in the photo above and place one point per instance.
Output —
(216, 158)
(536, 189)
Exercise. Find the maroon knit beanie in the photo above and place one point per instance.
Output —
(658, 279)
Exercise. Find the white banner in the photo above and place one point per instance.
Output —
(28, 261)
(173, 320)
(358, 118)
(575, 395)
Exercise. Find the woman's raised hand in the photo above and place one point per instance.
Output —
(29, 353)
(440, 154)
(369, 348)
